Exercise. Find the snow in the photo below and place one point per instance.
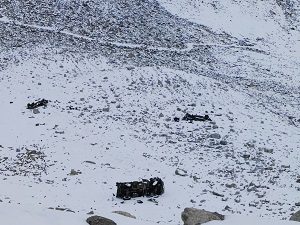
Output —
(115, 140)
(244, 19)
(110, 120)
(230, 220)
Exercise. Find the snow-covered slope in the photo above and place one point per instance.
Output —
(113, 100)
(247, 19)
(267, 22)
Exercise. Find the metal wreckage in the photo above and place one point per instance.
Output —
(191, 118)
(151, 187)
(37, 104)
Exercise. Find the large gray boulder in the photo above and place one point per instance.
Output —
(192, 216)
(99, 220)
(296, 217)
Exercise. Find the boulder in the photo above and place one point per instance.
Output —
(99, 220)
(181, 172)
(296, 217)
(192, 216)
(124, 214)
(215, 136)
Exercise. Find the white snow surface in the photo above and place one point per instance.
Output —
(114, 123)
(251, 20)
(246, 19)
(126, 151)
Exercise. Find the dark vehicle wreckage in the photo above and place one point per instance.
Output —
(37, 104)
(191, 117)
(151, 187)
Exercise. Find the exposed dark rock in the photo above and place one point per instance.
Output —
(90, 162)
(192, 216)
(230, 185)
(223, 142)
(176, 119)
(267, 150)
(246, 156)
(181, 172)
(215, 136)
(217, 194)
(36, 111)
(99, 220)
(296, 217)
(74, 172)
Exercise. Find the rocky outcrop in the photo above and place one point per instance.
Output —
(136, 21)
(125, 214)
(99, 220)
(296, 216)
(192, 216)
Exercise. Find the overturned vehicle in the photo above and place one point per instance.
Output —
(152, 187)
(37, 104)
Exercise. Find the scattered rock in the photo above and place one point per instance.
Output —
(90, 162)
(64, 209)
(230, 185)
(124, 214)
(215, 127)
(192, 216)
(181, 172)
(217, 194)
(223, 142)
(74, 172)
(99, 220)
(215, 136)
(36, 111)
(246, 156)
(250, 144)
(267, 150)
(296, 216)
(176, 119)
(227, 208)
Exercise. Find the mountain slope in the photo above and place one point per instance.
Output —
(114, 92)
(139, 22)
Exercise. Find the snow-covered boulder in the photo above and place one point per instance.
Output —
(192, 216)
(296, 216)
(99, 220)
